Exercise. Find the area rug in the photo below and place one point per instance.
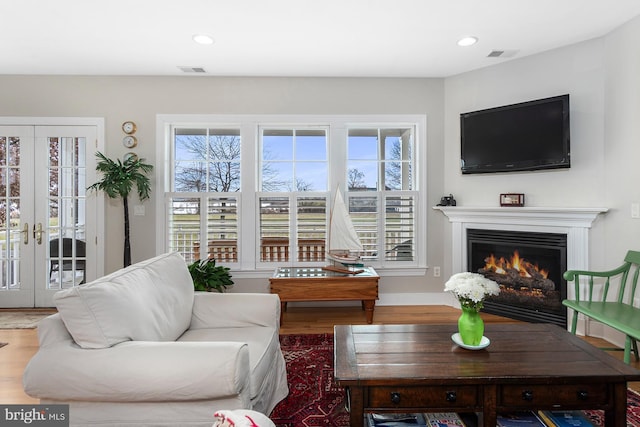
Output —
(315, 400)
(21, 319)
(633, 411)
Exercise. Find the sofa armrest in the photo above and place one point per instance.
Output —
(235, 310)
(140, 371)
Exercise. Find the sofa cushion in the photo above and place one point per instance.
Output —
(148, 301)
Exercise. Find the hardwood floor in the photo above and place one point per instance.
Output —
(23, 343)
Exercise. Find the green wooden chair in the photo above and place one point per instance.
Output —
(618, 313)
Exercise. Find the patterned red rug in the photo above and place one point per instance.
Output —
(633, 411)
(315, 400)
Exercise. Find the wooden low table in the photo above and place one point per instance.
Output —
(414, 368)
(315, 284)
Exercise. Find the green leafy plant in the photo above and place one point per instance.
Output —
(118, 179)
(208, 276)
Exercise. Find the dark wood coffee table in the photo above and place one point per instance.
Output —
(413, 368)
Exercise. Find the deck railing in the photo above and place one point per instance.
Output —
(276, 249)
(272, 249)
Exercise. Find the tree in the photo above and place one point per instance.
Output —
(394, 169)
(9, 208)
(118, 179)
(216, 165)
(355, 179)
(302, 185)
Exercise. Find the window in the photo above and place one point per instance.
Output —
(258, 193)
(293, 160)
(379, 165)
(202, 206)
(206, 160)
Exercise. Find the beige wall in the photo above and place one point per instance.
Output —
(141, 98)
(600, 75)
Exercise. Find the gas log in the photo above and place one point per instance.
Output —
(512, 278)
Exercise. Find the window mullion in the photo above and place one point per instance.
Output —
(248, 238)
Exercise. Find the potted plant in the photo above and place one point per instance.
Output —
(118, 179)
(207, 276)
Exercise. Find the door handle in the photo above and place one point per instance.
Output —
(37, 233)
(25, 231)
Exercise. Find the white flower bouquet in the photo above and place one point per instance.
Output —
(471, 289)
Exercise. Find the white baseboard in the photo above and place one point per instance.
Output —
(421, 298)
(589, 327)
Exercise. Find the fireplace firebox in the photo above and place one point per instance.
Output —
(528, 266)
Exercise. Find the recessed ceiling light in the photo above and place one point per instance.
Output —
(467, 41)
(203, 39)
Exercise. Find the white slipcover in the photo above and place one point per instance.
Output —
(139, 348)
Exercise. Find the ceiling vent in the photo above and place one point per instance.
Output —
(192, 69)
(502, 53)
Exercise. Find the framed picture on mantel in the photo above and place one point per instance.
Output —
(511, 199)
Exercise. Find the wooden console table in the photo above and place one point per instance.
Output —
(417, 368)
(315, 284)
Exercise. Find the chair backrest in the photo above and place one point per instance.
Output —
(67, 248)
(623, 275)
(633, 260)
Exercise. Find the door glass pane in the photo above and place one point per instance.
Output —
(65, 227)
(10, 224)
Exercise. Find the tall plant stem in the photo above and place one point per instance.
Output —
(127, 242)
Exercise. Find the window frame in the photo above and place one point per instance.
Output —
(337, 133)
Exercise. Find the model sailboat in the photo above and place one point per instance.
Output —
(344, 245)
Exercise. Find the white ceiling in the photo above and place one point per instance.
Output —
(359, 38)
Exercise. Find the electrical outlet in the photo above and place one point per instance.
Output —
(635, 210)
(138, 210)
(436, 271)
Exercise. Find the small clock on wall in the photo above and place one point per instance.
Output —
(129, 141)
(130, 155)
(129, 127)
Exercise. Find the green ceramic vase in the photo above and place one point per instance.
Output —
(470, 326)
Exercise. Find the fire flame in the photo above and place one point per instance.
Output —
(522, 266)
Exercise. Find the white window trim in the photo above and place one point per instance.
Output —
(249, 126)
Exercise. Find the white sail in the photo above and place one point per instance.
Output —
(342, 234)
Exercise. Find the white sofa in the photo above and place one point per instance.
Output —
(140, 348)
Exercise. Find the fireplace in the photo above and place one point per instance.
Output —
(528, 266)
(573, 223)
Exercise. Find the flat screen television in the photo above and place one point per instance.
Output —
(527, 136)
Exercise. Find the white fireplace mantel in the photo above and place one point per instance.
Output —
(574, 222)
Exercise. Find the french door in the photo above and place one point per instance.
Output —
(47, 222)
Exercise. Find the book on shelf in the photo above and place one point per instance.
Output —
(519, 419)
(443, 419)
(395, 420)
(565, 419)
